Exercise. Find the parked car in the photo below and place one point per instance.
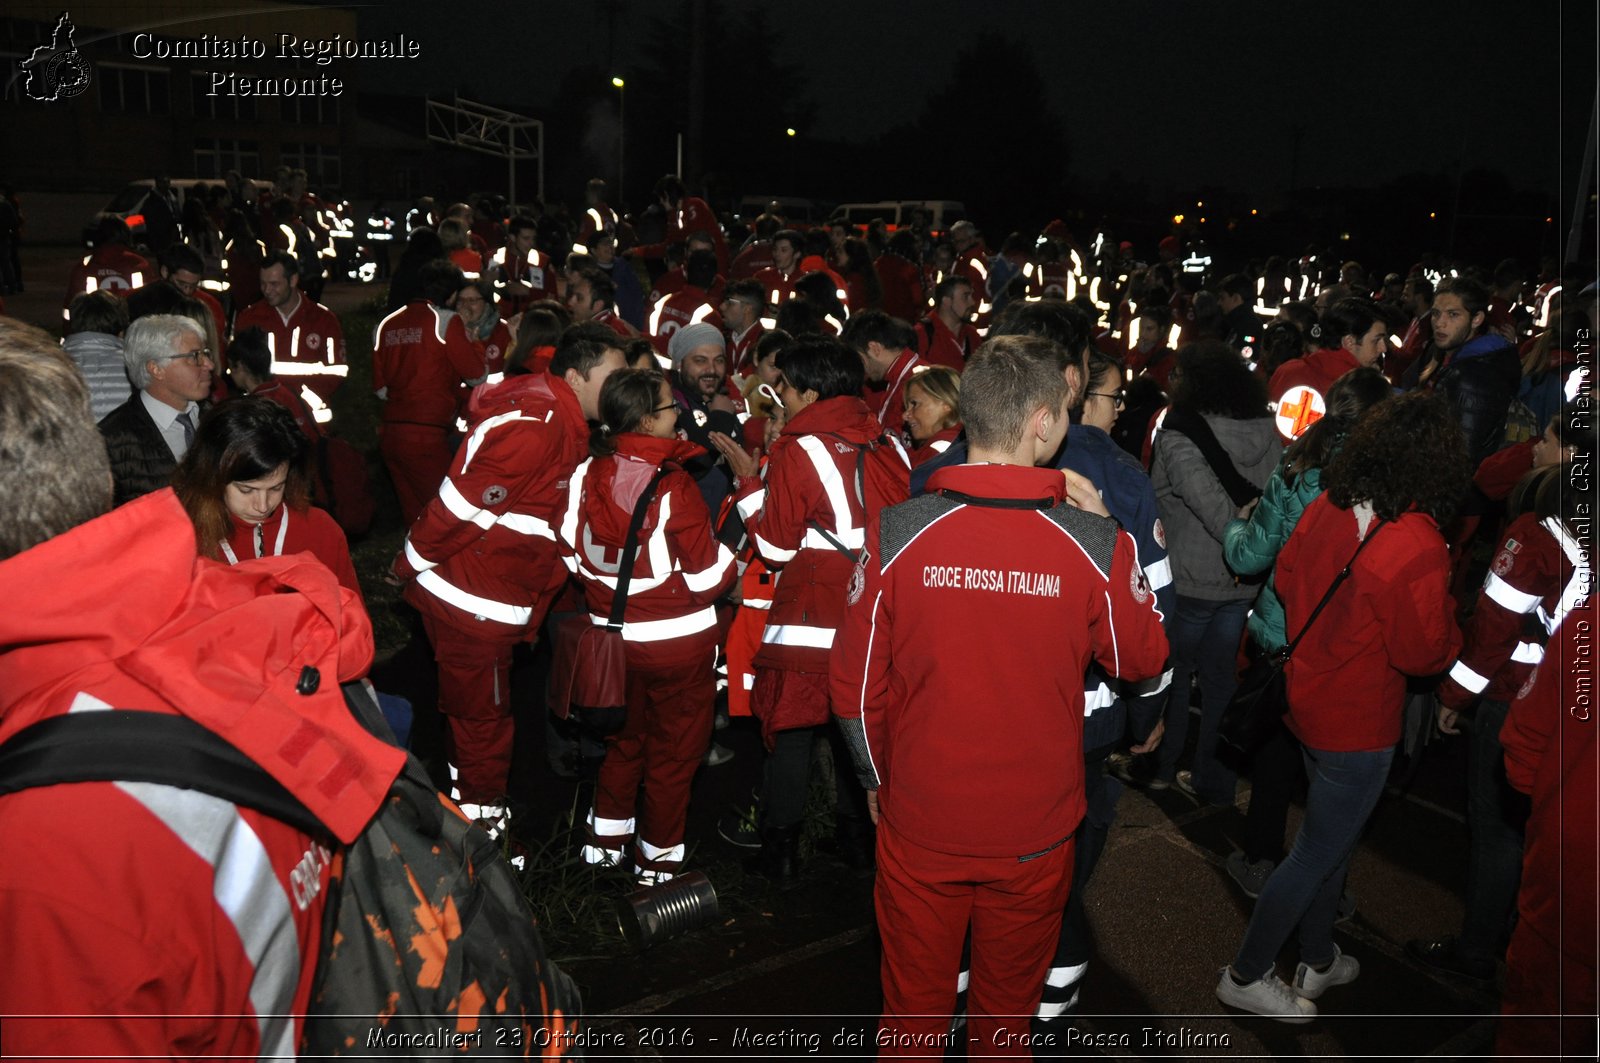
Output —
(128, 204)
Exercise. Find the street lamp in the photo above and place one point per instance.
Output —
(622, 135)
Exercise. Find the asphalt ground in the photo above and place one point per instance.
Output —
(795, 975)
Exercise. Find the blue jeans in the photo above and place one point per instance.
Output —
(1496, 818)
(1205, 640)
(1304, 890)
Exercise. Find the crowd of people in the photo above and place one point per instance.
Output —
(989, 525)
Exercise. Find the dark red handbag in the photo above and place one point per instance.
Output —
(589, 662)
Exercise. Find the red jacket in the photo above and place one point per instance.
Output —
(901, 281)
(493, 350)
(780, 287)
(1299, 389)
(308, 531)
(113, 268)
(1504, 469)
(1538, 573)
(975, 728)
(608, 317)
(810, 483)
(139, 900)
(277, 392)
(483, 554)
(536, 270)
(421, 354)
(751, 259)
(468, 261)
(1392, 618)
(937, 345)
(891, 401)
(680, 568)
(307, 346)
(596, 219)
(1549, 739)
(742, 349)
(693, 216)
(687, 306)
(936, 444)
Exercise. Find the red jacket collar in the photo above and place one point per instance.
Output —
(1001, 481)
(846, 415)
(641, 447)
(1336, 361)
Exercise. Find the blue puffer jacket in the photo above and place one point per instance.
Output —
(1251, 546)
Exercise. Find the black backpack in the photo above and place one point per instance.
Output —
(426, 933)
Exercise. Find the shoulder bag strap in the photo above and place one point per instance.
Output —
(861, 496)
(630, 547)
(1344, 574)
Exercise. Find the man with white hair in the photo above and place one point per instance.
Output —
(170, 368)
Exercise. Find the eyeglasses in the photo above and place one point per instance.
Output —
(668, 406)
(1118, 397)
(194, 358)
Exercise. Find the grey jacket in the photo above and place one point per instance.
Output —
(99, 357)
(1196, 511)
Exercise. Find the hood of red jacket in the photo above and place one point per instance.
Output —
(845, 416)
(615, 484)
(223, 645)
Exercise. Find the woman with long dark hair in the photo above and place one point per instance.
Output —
(1250, 546)
(669, 625)
(247, 488)
(1399, 475)
(1215, 452)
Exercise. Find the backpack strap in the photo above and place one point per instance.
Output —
(123, 745)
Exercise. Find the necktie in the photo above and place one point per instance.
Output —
(188, 428)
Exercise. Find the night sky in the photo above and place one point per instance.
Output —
(1177, 93)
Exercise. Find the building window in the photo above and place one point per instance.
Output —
(132, 90)
(310, 110)
(319, 161)
(228, 108)
(214, 157)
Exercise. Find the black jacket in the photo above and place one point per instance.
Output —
(1481, 380)
(141, 461)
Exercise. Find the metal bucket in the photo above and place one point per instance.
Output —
(657, 913)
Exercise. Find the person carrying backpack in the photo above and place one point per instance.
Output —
(829, 470)
(168, 922)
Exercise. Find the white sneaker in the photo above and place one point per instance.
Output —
(1310, 982)
(1267, 996)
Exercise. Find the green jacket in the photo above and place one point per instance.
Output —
(1251, 546)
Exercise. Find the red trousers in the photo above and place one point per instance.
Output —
(475, 698)
(1541, 984)
(659, 747)
(925, 901)
(418, 458)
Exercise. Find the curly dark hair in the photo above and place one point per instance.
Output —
(1406, 453)
(1212, 378)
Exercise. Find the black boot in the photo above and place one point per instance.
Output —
(779, 859)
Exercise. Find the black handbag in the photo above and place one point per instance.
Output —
(588, 667)
(1261, 698)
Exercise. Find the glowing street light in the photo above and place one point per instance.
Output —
(790, 131)
(622, 135)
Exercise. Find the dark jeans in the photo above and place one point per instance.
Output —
(1496, 817)
(1304, 890)
(1205, 641)
(786, 777)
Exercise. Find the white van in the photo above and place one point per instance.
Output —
(896, 213)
